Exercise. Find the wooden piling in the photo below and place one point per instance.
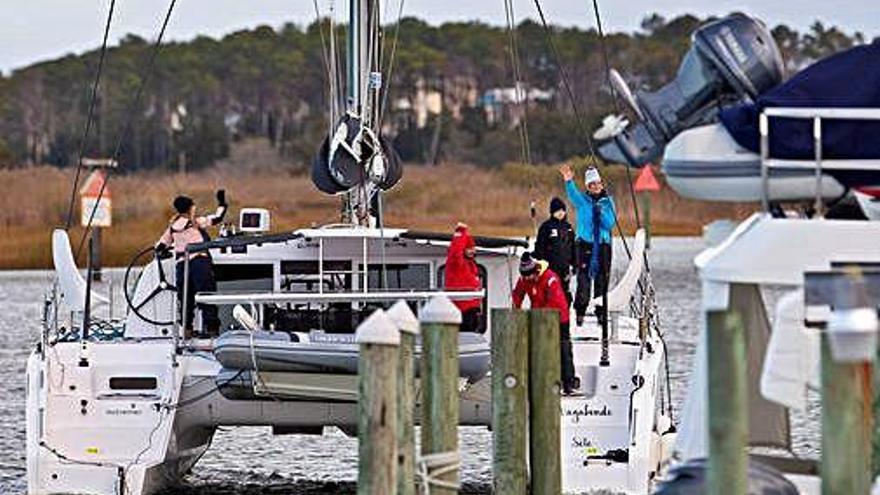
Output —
(440, 321)
(408, 324)
(510, 338)
(728, 403)
(847, 425)
(544, 403)
(379, 339)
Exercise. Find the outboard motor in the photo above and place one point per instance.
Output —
(354, 155)
(732, 59)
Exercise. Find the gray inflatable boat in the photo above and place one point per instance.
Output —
(320, 352)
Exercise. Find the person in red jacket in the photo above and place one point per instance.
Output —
(544, 290)
(461, 273)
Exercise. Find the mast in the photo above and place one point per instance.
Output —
(364, 84)
(354, 162)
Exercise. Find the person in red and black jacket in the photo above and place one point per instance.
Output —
(461, 274)
(544, 290)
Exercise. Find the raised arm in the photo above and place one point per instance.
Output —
(571, 190)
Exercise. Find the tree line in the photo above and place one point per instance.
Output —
(205, 94)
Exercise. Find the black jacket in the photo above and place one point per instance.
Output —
(555, 245)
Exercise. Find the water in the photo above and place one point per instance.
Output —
(252, 461)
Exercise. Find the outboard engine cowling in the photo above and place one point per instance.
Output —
(732, 59)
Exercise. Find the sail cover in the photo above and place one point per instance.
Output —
(352, 156)
(850, 79)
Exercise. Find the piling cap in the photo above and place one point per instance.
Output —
(403, 317)
(378, 329)
(440, 310)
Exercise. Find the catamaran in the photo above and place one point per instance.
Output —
(130, 405)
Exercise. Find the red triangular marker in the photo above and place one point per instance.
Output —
(92, 185)
(646, 181)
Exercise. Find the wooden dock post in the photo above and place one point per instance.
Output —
(510, 373)
(408, 324)
(544, 403)
(379, 339)
(440, 321)
(847, 425)
(728, 403)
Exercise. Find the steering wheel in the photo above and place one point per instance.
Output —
(162, 286)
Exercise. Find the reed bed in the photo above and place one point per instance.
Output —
(493, 201)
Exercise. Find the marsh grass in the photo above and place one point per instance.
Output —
(493, 201)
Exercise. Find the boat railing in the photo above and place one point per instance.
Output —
(331, 297)
(817, 115)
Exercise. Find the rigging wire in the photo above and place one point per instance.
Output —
(91, 114)
(325, 58)
(605, 58)
(390, 70)
(566, 83)
(144, 79)
(519, 82)
(648, 279)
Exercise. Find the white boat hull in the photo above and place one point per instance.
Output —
(705, 163)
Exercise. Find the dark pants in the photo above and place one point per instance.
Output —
(201, 279)
(472, 320)
(565, 354)
(584, 293)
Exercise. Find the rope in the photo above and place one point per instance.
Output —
(430, 466)
(93, 100)
(144, 79)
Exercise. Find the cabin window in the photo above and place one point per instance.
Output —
(415, 276)
(304, 276)
(133, 383)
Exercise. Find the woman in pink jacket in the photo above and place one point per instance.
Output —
(184, 229)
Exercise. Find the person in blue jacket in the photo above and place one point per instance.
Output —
(595, 219)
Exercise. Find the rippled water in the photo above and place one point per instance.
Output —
(253, 461)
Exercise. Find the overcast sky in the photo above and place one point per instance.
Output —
(34, 30)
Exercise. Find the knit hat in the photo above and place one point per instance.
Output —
(182, 204)
(592, 175)
(527, 265)
(556, 204)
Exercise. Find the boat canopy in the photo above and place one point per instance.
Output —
(850, 79)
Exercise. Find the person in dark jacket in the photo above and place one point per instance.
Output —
(555, 244)
(187, 228)
(595, 220)
(462, 274)
(544, 290)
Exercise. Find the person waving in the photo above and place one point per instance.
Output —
(595, 219)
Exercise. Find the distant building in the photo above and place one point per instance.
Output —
(505, 104)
